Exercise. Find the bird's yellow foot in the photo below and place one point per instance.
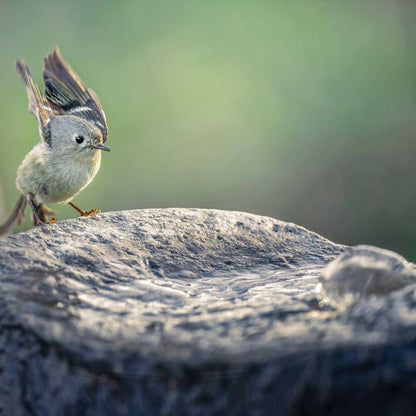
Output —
(52, 220)
(90, 212)
(85, 213)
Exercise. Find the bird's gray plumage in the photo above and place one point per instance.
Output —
(72, 127)
(67, 94)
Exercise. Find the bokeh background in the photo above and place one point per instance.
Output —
(302, 110)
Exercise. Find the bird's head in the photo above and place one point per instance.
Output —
(71, 134)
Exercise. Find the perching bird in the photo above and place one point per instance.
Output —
(72, 128)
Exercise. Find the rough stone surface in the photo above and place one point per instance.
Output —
(365, 271)
(194, 312)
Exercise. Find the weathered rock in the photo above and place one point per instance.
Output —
(193, 312)
(365, 271)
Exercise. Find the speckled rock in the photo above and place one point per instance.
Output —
(193, 312)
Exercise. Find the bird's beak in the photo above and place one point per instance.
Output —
(100, 146)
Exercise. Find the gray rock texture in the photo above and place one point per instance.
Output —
(196, 312)
(365, 271)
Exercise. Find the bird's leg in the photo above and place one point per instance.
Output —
(84, 213)
(36, 219)
(44, 212)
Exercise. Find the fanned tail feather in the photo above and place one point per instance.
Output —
(17, 215)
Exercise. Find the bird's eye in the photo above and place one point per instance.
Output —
(79, 139)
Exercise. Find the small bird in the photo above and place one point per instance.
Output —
(72, 128)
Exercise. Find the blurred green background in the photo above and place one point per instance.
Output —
(303, 111)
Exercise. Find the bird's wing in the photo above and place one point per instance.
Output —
(67, 94)
(38, 106)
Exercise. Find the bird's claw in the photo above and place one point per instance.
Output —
(40, 223)
(90, 212)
